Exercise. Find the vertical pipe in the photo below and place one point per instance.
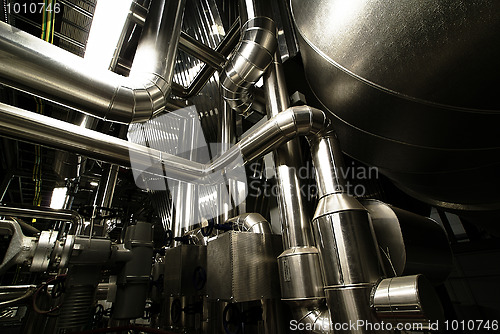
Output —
(106, 190)
(346, 242)
(288, 159)
(227, 139)
(299, 271)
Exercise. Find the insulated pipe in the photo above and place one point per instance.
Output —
(251, 222)
(29, 64)
(348, 251)
(32, 127)
(296, 222)
(46, 213)
(252, 56)
(300, 277)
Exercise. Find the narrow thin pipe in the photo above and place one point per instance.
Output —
(46, 213)
(204, 53)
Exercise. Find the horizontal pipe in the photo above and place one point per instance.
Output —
(32, 127)
(16, 294)
(46, 213)
(40, 68)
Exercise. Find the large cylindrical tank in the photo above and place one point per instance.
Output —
(414, 89)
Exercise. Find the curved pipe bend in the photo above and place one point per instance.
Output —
(39, 68)
(251, 222)
(251, 57)
(40, 129)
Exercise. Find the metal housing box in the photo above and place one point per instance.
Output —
(181, 265)
(243, 266)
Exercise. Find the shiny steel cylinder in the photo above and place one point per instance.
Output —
(349, 257)
(407, 299)
(47, 71)
(300, 275)
(25, 125)
(328, 164)
(251, 222)
(252, 56)
(296, 226)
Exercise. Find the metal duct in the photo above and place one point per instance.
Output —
(300, 276)
(34, 66)
(25, 125)
(349, 257)
(251, 222)
(252, 56)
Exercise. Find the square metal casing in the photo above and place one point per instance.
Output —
(180, 265)
(243, 266)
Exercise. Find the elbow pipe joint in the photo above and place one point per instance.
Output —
(140, 99)
(250, 60)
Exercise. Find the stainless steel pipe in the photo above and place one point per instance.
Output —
(46, 213)
(25, 125)
(252, 56)
(251, 222)
(34, 66)
(349, 256)
(300, 276)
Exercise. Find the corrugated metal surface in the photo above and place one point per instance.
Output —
(237, 278)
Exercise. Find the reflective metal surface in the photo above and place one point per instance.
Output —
(46, 213)
(237, 278)
(252, 56)
(328, 164)
(288, 160)
(409, 243)
(295, 121)
(42, 69)
(407, 299)
(413, 88)
(300, 276)
(313, 318)
(251, 222)
(19, 249)
(348, 253)
(224, 48)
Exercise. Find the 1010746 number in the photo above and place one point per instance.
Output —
(32, 8)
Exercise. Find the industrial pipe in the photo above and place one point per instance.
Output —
(252, 56)
(251, 222)
(300, 276)
(46, 213)
(348, 251)
(34, 66)
(25, 125)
